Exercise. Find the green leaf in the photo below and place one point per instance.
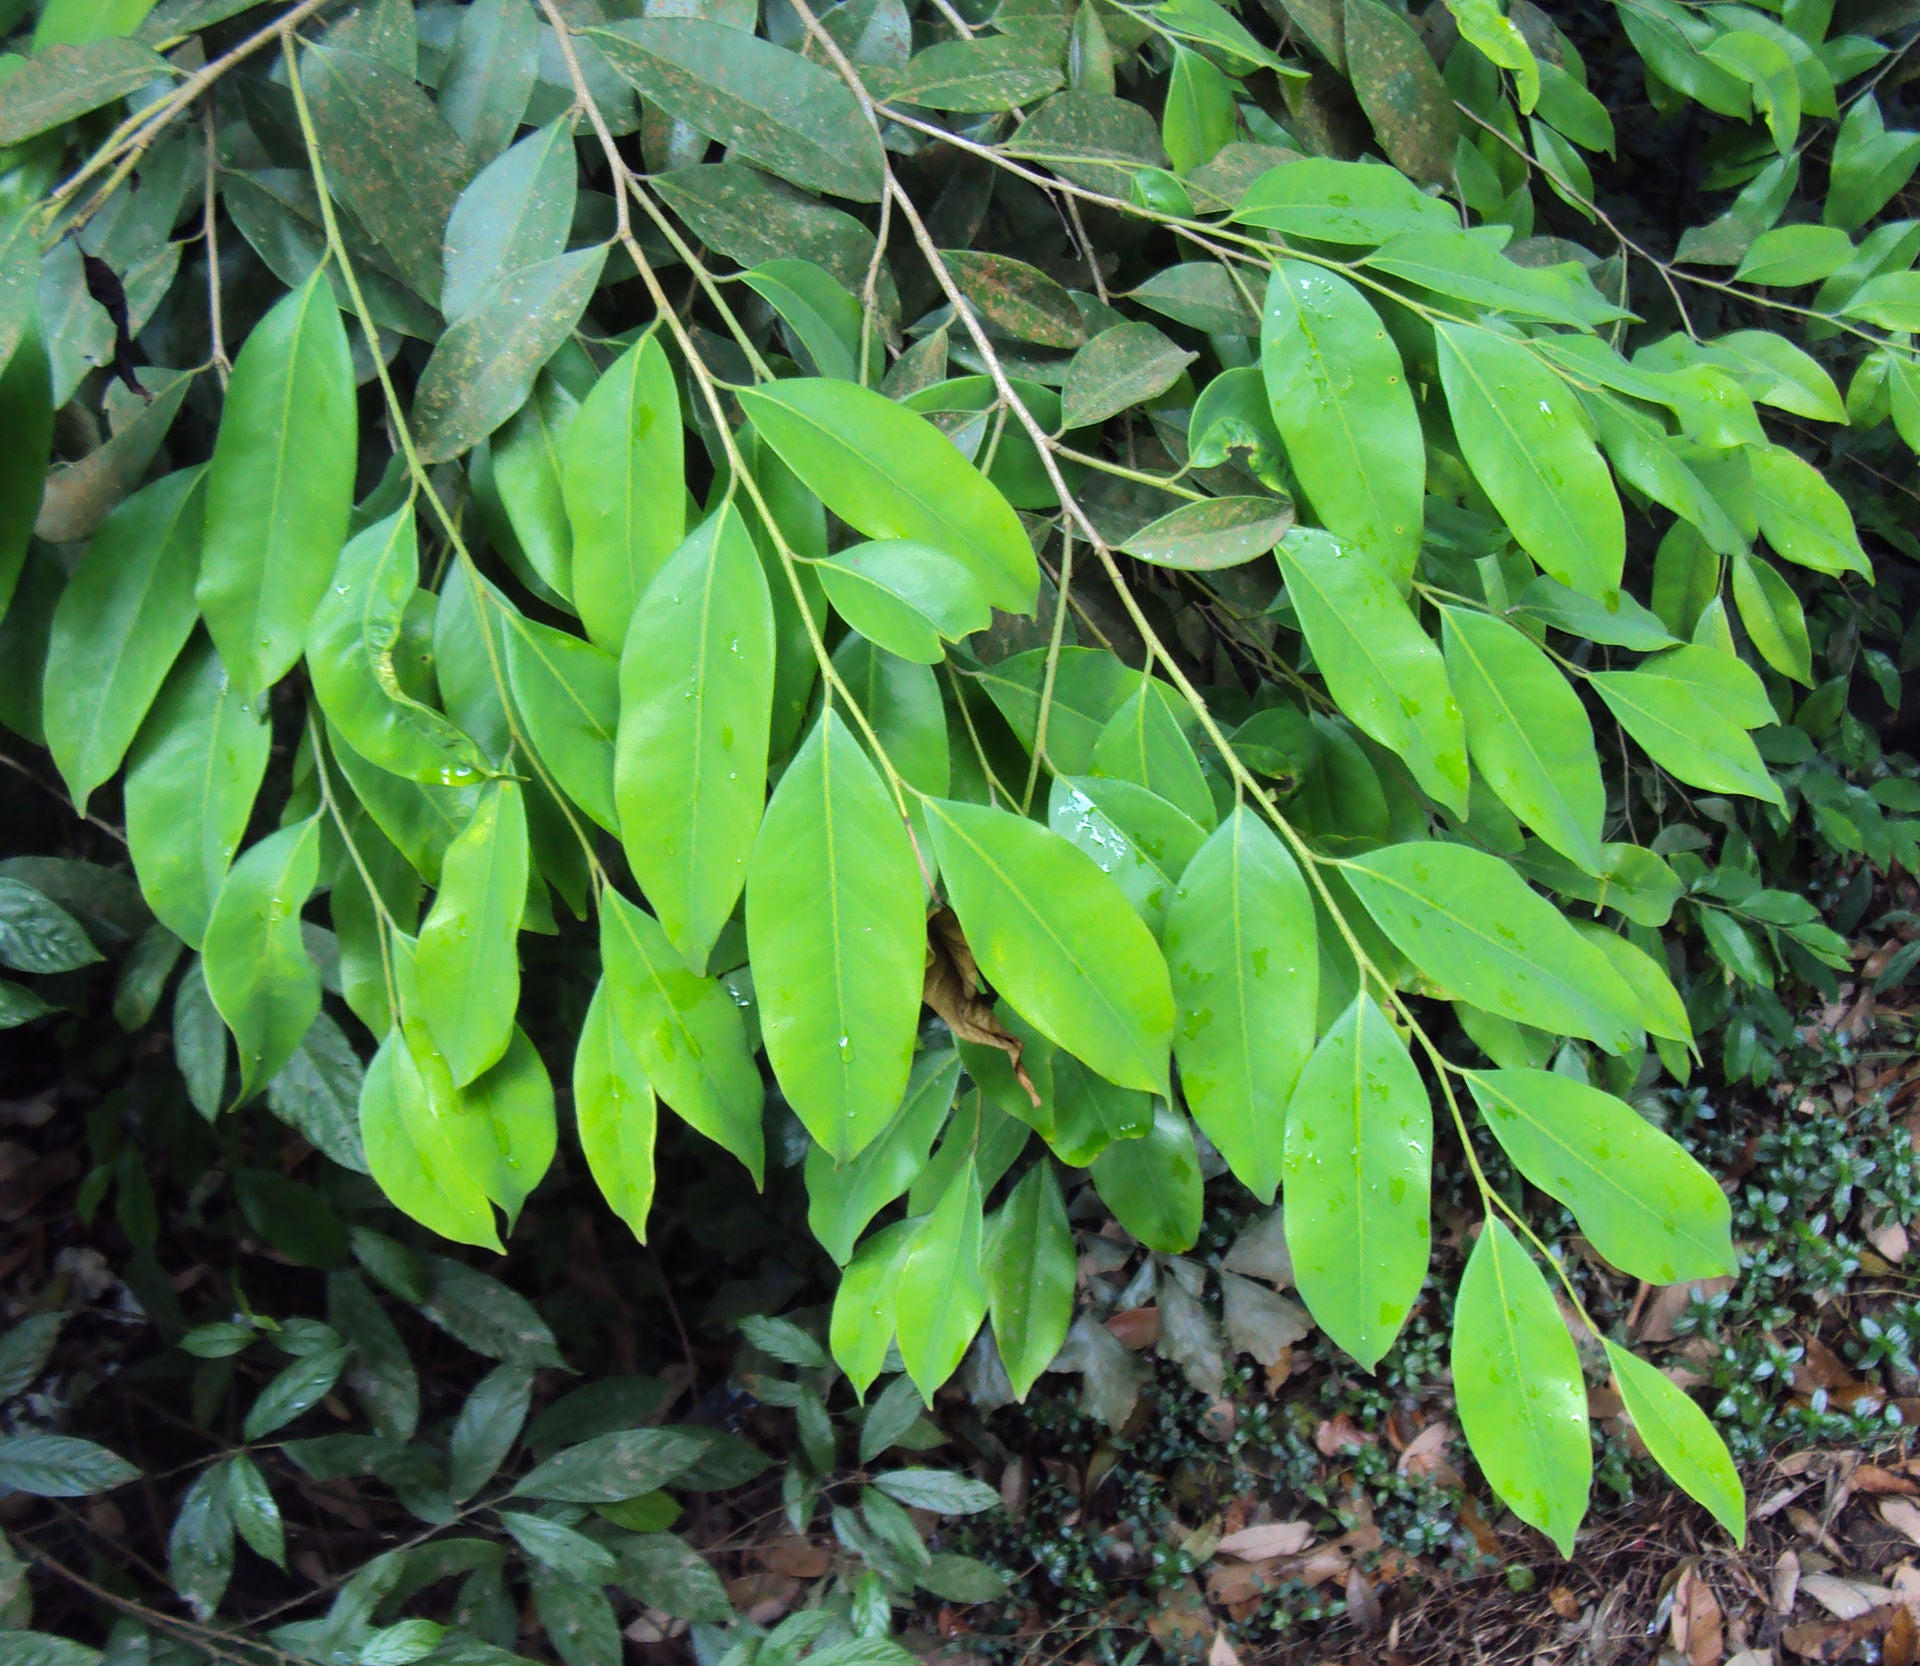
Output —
(614, 1104)
(1202, 293)
(1340, 202)
(199, 1042)
(1521, 432)
(792, 116)
(823, 319)
(353, 644)
(1093, 139)
(1641, 1200)
(318, 1093)
(516, 478)
(862, 1326)
(909, 598)
(1030, 1276)
(1198, 117)
(297, 1389)
(1804, 518)
(843, 1198)
(200, 1545)
(516, 213)
(258, 973)
(490, 74)
(26, 413)
(1473, 926)
(1527, 731)
(938, 1491)
(1470, 269)
(1381, 667)
(568, 695)
(1788, 256)
(61, 1466)
(889, 473)
(685, 1030)
(489, 1423)
(696, 699)
(1775, 621)
(1870, 165)
(1213, 533)
(389, 155)
(1241, 944)
(63, 81)
(1018, 298)
(118, 627)
(482, 369)
(941, 1294)
(970, 77)
(1120, 368)
(1057, 938)
(836, 927)
(280, 487)
(512, 1105)
(1517, 1383)
(1153, 1183)
(1890, 299)
(255, 1514)
(615, 1466)
(620, 470)
(1669, 707)
(1680, 1439)
(1623, 624)
(406, 1114)
(1399, 87)
(1777, 373)
(1359, 1148)
(25, 1350)
(750, 218)
(1142, 742)
(1645, 458)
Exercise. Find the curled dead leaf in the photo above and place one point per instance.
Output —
(952, 989)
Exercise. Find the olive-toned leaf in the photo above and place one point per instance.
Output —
(1120, 368)
(119, 625)
(824, 322)
(1400, 88)
(1205, 294)
(1092, 139)
(1003, 72)
(790, 115)
(516, 213)
(750, 218)
(63, 81)
(1018, 298)
(1213, 533)
(280, 487)
(26, 413)
(490, 74)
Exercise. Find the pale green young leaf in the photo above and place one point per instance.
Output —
(1340, 400)
(864, 1307)
(280, 487)
(1527, 731)
(1198, 116)
(468, 961)
(1517, 1384)
(685, 1030)
(118, 627)
(621, 463)
(1777, 373)
(1030, 1276)
(1143, 743)
(1661, 1011)
(1521, 431)
(941, 1293)
(568, 695)
(1057, 938)
(517, 212)
(1473, 926)
(836, 928)
(1643, 1203)
(613, 1104)
(258, 973)
(1152, 1183)
(1241, 945)
(696, 700)
(1870, 165)
(1381, 667)
(909, 598)
(410, 1153)
(1680, 1439)
(1788, 256)
(1359, 1157)
(842, 1198)
(352, 645)
(890, 473)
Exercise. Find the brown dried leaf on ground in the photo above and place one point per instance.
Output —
(1697, 1626)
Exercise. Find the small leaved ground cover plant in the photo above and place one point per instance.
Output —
(970, 602)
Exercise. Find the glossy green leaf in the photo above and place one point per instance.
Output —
(568, 695)
(1198, 117)
(836, 927)
(118, 627)
(1381, 667)
(842, 1198)
(1641, 1200)
(941, 1293)
(1527, 732)
(891, 474)
(909, 598)
(280, 487)
(792, 116)
(1672, 714)
(1153, 1184)
(1241, 944)
(353, 642)
(516, 213)
(468, 960)
(37, 934)
(862, 1327)
(1057, 938)
(1340, 202)
(1213, 533)
(1517, 1384)
(1142, 742)
(482, 369)
(620, 471)
(512, 1103)
(1776, 623)
(696, 698)
(1359, 1155)
(258, 973)
(1030, 1276)
(412, 1155)
(613, 1103)
(685, 1030)
(823, 320)
(1680, 1439)
(1473, 926)
(1521, 432)
(1804, 518)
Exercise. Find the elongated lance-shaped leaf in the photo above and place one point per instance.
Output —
(1681, 1439)
(1359, 1156)
(1030, 1276)
(696, 702)
(613, 1104)
(864, 1308)
(410, 1152)
(836, 927)
(842, 1198)
(568, 695)
(941, 1296)
(280, 487)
